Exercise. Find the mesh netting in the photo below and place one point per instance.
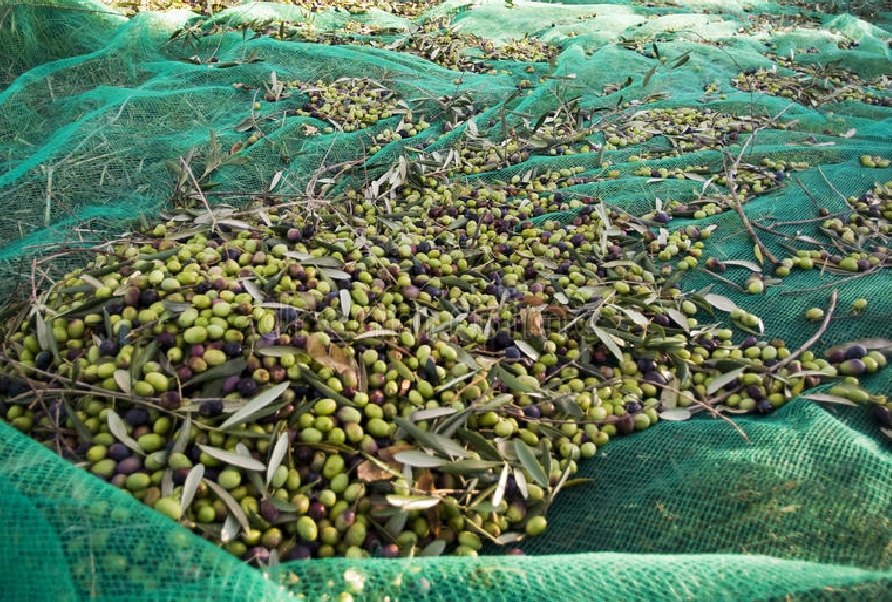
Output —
(92, 105)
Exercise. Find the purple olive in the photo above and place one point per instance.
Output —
(170, 400)
(232, 349)
(166, 340)
(625, 425)
(247, 387)
(855, 352)
(317, 510)
(118, 452)
(390, 550)
(230, 384)
(129, 466)
(298, 552)
(269, 512)
(136, 417)
(257, 556)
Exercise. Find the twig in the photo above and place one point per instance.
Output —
(829, 284)
(201, 194)
(814, 201)
(738, 208)
(717, 414)
(722, 278)
(771, 230)
(814, 337)
(811, 220)
(833, 188)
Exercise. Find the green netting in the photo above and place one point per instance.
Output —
(92, 105)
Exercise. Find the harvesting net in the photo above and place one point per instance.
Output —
(100, 114)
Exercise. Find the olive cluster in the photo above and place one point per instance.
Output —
(694, 129)
(351, 104)
(409, 10)
(873, 161)
(853, 361)
(443, 45)
(761, 179)
(356, 347)
(808, 91)
(836, 76)
(860, 239)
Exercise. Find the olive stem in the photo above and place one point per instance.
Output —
(829, 284)
(722, 278)
(810, 220)
(814, 338)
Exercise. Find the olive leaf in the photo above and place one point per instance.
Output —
(191, 485)
(326, 261)
(527, 350)
(723, 379)
(499, 494)
(335, 274)
(529, 462)
(412, 502)
(230, 502)
(506, 538)
(346, 302)
(257, 403)
(375, 334)
(419, 415)
(144, 356)
(669, 396)
(233, 367)
(679, 318)
(442, 444)
(182, 441)
(119, 430)
(230, 529)
(720, 302)
(122, 379)
(649, 75)
(826, 397)
(636, 316)
(276, 457)
(465, 357)
(509, 379)
(320, 386)
(609, 343)
(231, 458)
(278, 350)
(167, 483)
(468, 466)
(253, 290)
(675, 414)
(396, 524)
(544, 449)
(83, 432)
(750, 265)
(480, 444)
(521, 481)
(434, 548)
(45, 337)
(419, 459)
